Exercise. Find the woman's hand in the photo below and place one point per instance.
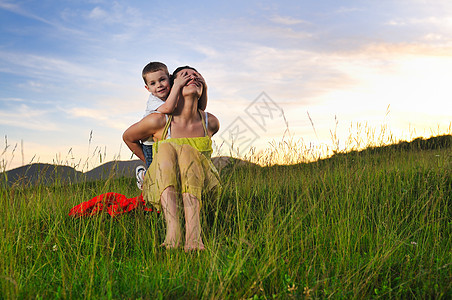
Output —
(201, 79)
(202, 104)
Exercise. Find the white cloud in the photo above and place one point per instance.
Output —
(47, 66)
(343, 10)
(23, 12)
(28, 118)
(119, 14)
(395, 23)
(286, 20)
(100, 116)
(97, 13)
(441, 21)
(355, 85)
(12, 99)
(8, 6)
(107, 116)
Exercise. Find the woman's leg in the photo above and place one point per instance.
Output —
(167, 170)
(192, 178)
(193, 239)
(170, 211)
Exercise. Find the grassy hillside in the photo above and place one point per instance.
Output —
(362, 225)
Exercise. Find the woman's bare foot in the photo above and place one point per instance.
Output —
(169, 246)
(173, 236)
(194, 247)
(193, 239)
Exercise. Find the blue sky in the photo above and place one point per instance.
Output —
(71, 70)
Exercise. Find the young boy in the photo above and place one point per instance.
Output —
(163, 99)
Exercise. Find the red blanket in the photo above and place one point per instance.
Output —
(114, 203)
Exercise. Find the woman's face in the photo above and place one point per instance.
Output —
(194, 84)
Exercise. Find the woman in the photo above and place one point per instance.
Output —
(181, 164)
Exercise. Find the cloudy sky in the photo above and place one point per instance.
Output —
(70, 71)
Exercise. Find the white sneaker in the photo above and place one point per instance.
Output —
(139, 173)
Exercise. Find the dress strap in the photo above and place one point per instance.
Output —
(167, 125)
(204, 121)
(167, 129)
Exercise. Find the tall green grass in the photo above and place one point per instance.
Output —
(361, 225)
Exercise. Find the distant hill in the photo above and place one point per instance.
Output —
(114, 169)
(39, 173)
(433, 143)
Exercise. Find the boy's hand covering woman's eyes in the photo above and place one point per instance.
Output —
(181, 79)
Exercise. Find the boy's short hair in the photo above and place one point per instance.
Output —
(154, 66)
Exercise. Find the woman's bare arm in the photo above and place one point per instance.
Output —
(213, 124)
(141, 130)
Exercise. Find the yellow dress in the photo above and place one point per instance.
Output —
(183, 163)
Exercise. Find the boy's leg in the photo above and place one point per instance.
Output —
(147, 151)
(139, 174)
(140, 170)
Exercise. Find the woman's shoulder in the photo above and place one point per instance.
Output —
(155, 124)
(155, 120)
(213, 125)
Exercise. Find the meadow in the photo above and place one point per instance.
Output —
(362, 224)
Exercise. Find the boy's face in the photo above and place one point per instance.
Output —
(158, 84)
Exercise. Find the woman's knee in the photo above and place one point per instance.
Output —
(191, 172)
(164, 148)
(187, 156)
(166, 156)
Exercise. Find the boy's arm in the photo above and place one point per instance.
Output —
(171, 101)
(202, 103)
(168, 106)
(141, 130)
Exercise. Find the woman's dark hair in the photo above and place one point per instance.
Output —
(178, 70)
